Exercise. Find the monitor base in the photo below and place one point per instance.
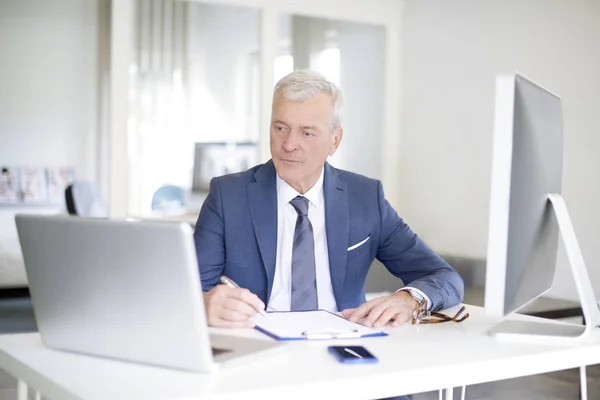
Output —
(589, 306)
(536, 330)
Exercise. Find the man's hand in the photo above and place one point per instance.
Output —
(228, 307)
(397, 308)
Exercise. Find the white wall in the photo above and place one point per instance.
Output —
(452, 51)
(362, 58)
(49, 83)
(222, 49)
(361, 79)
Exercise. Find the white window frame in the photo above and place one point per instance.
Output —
(386, 13)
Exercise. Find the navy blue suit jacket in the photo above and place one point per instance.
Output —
(236, 235)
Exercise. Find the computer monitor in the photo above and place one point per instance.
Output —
(527, 211)
(216, 159)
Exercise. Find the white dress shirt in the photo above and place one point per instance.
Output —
(281, 292)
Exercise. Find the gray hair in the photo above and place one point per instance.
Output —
(305, 84)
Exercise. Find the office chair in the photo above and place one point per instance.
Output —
(83, 199)
(168, 198)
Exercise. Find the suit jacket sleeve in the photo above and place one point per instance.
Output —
(406, 256)
(209, 238)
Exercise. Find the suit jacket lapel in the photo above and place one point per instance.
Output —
(337, 225)
(262, 196)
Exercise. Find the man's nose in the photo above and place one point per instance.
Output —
(290, 143)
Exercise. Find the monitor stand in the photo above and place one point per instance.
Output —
(515, 329)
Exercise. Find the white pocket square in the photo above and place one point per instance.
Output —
(359, 244)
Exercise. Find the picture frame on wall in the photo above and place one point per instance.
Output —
(33, 185)
(59, 178)
(216, 159)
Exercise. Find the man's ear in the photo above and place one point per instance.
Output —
(337, 139)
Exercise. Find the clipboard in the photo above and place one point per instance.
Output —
(311, 325)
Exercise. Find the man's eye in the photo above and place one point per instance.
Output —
(307, 133)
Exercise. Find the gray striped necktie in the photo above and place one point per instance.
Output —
(304, 277)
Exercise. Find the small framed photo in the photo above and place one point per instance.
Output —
(32, 185)
(58, 179)
(9, 185)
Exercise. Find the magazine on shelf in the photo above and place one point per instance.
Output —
(9, 185)
(58, 179)
(33, 185)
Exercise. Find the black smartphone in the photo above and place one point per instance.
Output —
(352, 354)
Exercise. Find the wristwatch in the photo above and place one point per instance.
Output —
(421, 307)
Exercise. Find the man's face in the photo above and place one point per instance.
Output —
(301, 139)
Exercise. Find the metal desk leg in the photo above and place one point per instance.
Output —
(583, 383)
(21, 390)
(449, 393)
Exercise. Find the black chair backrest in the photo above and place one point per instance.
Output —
(82, 198)
(69, 200)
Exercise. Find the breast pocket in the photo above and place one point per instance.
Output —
(359, 247)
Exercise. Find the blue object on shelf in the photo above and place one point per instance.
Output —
(168, 197)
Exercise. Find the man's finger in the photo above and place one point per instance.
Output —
(248, 297)
(401, 318)
(385, 317)
(376, 312)
(239, 307)
(365, 309)
(232, 314)
(347, 313)
(361, 312)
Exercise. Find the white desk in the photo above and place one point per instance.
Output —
(412, 359)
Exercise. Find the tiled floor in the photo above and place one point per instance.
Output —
(16, 315)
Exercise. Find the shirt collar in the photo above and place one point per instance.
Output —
(285, 193)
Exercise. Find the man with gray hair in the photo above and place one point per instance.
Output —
(297, 234)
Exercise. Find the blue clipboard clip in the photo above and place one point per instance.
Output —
(327, 335)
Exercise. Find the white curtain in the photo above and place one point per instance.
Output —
(161, 149)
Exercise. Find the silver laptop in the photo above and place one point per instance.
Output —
(124, 290)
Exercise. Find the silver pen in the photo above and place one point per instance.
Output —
(227, 281)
